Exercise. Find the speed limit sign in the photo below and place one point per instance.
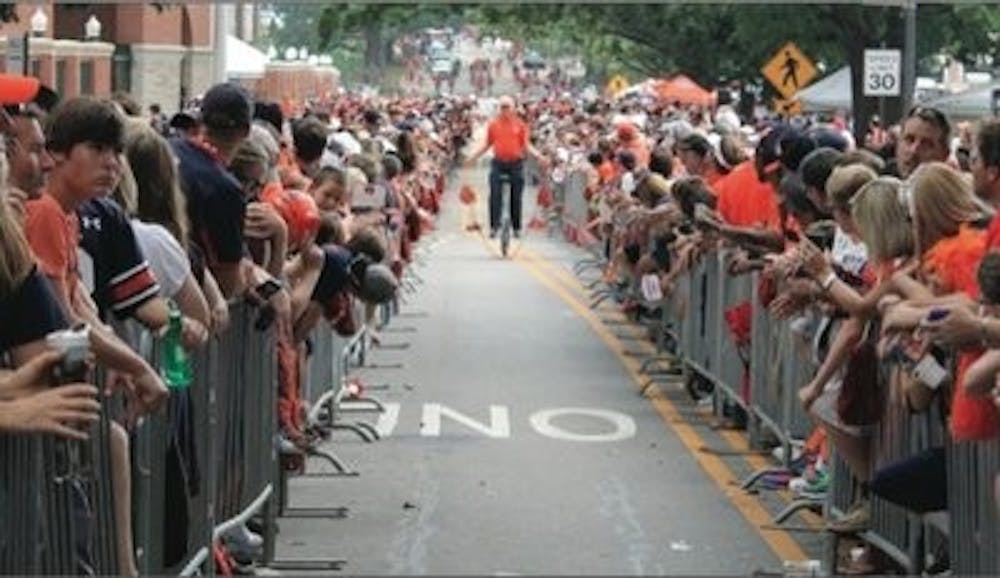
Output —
(882, 77)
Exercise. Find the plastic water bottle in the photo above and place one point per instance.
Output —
(176, 365)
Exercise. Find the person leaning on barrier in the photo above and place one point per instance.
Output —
(319, 274)
(216, 205)
(30, 310)
(265, 233)
(962, 326)
(948, 231)
(84, 139)
(161, 228)
(27, 156)
(926, 137)
(748, 208)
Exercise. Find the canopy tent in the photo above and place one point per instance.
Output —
(831, 93)
(971, 104)
(644, 88)
(243, 61)
(682, 89)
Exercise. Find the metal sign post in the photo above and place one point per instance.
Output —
(17, 55)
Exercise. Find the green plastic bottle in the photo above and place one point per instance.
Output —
(176, 365)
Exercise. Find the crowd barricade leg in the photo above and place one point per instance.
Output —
(663, 365)
(322, 383)
(327, 408)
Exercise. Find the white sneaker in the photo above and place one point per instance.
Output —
(242, 537)
(244, 545)
(779, 452)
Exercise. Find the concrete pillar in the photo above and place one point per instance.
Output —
(46, 69)
(71, 87)
(219, 30)
(102, 76)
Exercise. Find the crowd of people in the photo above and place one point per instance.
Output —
(108, 215)
(883, 254)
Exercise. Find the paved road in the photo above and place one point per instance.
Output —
(520, 445)
(468, 51)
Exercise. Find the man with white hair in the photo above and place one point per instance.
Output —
(509, 138)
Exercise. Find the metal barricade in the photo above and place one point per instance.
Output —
(731, 364)
(57, 503)
(766, 379)
(974, 521)
(245, 463)
(901, 435)
(571, 198)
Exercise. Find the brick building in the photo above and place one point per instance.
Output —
(158, 55)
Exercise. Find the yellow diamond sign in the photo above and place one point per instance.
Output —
(789, 70)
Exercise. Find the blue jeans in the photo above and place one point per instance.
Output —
(918, 483)
(514, 171)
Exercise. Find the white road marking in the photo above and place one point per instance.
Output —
(499, 427)
(624, 426)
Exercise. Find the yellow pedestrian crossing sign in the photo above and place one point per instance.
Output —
(789, 70)
(616, 85)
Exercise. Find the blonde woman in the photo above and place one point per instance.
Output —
(878, 210)
(871, 209)
(948, 228)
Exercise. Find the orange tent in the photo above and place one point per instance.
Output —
(682, 89)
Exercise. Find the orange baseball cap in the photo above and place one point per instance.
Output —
(17, 89)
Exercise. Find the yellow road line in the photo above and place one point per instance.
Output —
(735, 440)
(781, 543)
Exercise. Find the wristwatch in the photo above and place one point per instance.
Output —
(267, 289)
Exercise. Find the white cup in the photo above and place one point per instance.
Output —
(73, 343)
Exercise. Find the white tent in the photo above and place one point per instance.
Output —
(243, 61)
(971, 104)
(831, 93)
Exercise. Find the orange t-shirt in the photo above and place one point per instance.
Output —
(607, 172)
(744, 201)
(53, 236)
(508, 137)
(951, 264)
(712, 178)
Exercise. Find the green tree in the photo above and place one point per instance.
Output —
(378, 25)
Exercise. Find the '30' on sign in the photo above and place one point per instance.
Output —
(882, 72)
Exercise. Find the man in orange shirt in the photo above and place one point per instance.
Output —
(508, 136)
(748, 201)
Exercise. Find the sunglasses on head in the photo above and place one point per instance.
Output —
(929, 114)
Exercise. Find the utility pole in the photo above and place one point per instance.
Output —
(909, 84)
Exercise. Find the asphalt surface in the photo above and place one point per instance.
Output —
(515, 441)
